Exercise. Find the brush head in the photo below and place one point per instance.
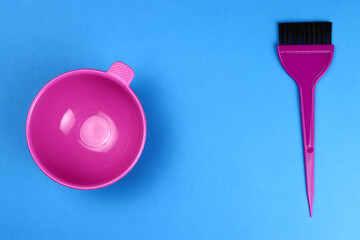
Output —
(305, 33)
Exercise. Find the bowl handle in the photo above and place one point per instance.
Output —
(122, 71)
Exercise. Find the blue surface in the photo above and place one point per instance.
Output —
(223, 158)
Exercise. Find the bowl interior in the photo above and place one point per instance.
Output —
(85, 129)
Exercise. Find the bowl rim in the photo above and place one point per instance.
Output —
(59, 78)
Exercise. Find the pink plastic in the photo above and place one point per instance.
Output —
(86, 129)
(306, 64)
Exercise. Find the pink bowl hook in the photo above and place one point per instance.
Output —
(86, 128)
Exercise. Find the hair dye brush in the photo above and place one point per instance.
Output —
(305, 52)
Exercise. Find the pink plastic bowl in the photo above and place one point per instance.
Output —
(86, 128)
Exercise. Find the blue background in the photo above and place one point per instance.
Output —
(223, 157)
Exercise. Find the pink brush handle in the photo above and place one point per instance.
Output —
(306, 64)
(307, 99)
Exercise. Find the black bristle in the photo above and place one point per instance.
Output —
(303, 33)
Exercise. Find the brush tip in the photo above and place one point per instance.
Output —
(305, 33)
